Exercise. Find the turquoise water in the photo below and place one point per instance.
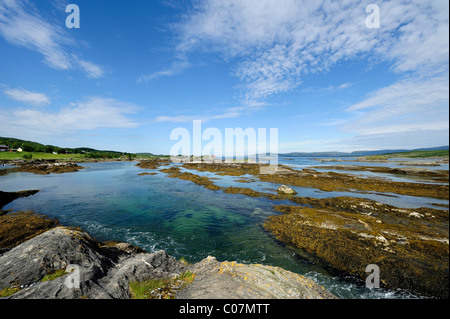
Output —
(112, 202)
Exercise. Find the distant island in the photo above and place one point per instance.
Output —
(420, 152)
(29, 149)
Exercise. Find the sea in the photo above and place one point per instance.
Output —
(112, 202)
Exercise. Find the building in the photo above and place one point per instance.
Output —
(4, 148)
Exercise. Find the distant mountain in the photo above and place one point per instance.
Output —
(358, 153)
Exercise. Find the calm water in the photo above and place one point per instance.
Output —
(111, 202)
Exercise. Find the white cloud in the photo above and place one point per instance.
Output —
(228, 113)
(410, 104)
(21, 25)
(176, 68)
(91, 114)
(276, 43)
(31, 98)
(92, 70)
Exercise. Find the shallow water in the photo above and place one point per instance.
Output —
(112, 202)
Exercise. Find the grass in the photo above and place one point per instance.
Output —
(376, 157)
(53, 275)
(184, 261)
(8, 292)
(420, 154)
(166, 288)
(38, 155)
(9, 156)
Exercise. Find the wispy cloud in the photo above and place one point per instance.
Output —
(228, 113)
(22, 25)
(277, 43)
(27, 97)
(410, 104)
(176, 68)
(90, 114)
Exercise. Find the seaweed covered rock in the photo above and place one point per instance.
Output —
(410, 247)
(18, 227)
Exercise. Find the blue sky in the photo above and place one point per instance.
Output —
(135, 70)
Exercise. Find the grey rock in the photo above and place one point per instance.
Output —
(232, 280)
(101, 272)
(104, 271)
(283, 189)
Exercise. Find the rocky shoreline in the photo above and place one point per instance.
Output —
(436, 175)
(42, 167)
(325, 181)
(410, 246)
(67, 263)
(40, 259)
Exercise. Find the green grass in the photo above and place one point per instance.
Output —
(55, 274)
(184, 261)
(148, 289)
(8, 292)
(420, 154)
(37, 155)
(376, 157)
(145, 289)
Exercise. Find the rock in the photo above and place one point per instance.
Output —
(101, 273)
(104, 270)
(231, 280)
(410, 246)
(283, 189)
(18, 227)
(46, 167)
(7, 197)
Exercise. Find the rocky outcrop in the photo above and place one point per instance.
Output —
(18, 227)
(325, 181)
(153, 163)
(99, 271)
(43, 167)
(411, 171)
(68, 263)
(7, 197)
(410, 246)
(283, 189)
(231, 280)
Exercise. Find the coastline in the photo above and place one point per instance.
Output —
(344, 227)
(410, 246)
(37, 266)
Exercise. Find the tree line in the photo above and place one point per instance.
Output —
(29, 146)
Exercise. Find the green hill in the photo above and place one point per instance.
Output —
(420, 154)
(35, 147)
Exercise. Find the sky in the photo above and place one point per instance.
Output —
(322, 73)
